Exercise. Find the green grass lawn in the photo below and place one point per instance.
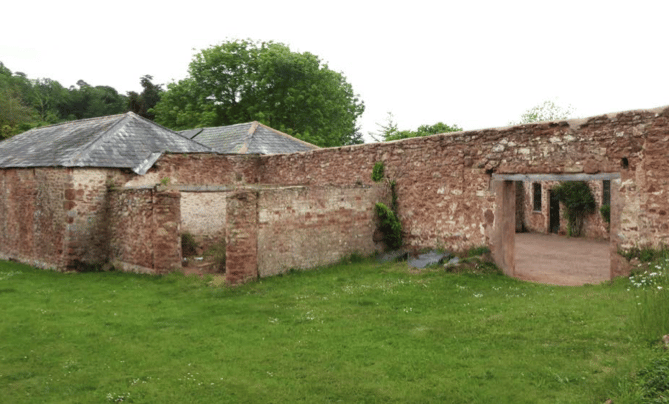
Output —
(362, 332)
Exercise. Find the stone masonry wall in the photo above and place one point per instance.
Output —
(33, 215)
(203, 214)
(131, 227)
(305, 227)
(444, 180)
(57, 216)
(442, 196)
(144, 230)
(242, 237)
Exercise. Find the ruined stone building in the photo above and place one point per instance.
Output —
(122, 189)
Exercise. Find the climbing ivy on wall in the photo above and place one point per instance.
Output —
(578, 202)
(390, 225)
(377, 171)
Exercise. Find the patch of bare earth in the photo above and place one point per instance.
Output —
(560, 260)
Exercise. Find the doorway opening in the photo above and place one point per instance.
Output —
(578, 253)
(553, 213)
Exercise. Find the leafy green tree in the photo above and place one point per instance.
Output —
(546, 111)
(87, 101)
(578, 202)
(49, 99)
(15, 114)
(388, 131)
(241, 81)
(143, 103)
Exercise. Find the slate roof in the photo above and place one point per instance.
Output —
(248, 138)
(122, 141)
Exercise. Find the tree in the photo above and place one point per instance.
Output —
(87, 101)
(546, 111)
(389, 131)
(142, 104)
(241, 81)
(15, 114)
(49, 99)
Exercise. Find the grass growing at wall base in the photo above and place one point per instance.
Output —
(361, 332)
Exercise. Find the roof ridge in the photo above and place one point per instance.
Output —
(76, 120)
(97, 139)
(170, 130)
(278, 132)
(249, 136)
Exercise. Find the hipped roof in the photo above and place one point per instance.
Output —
(118, 141)
(248, 138)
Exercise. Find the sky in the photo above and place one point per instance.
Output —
(475, 64)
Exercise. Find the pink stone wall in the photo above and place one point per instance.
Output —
(33, 215)
(305, 227)
(57, 216)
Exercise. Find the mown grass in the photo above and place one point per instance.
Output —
(361, 332)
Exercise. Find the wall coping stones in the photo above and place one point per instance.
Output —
(555, 177)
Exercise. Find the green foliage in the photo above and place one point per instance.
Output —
(143, 103)
(653, 381)
(188, 245)
(28, 103)
(476, 251)
(86, 101)
(546, 111)
(605, 211)
(651, 290)
(578, 201)
(15, 113)
(393, 195)
(645, 253)
(217, 253)
(377, 171)
(390, 226)
(241, 81)
(389, 131)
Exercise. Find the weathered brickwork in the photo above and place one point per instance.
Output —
(33, 215)
(166, 222)
(203, 214)
(444, 180)
(60, 217)
(242, 237)
(441, 201)
(304, 227)
(201, 169)
(132, 229)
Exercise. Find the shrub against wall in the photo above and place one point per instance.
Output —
(578, 201)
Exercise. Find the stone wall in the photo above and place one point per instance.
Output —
(33, 215)
(131, 230)
(305, 227)
(442, 197)
(444, 180)
(203, 215)
(242, 236)
(58, 217)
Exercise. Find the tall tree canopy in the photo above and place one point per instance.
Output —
(143, 103)
(27, 103)
(241, 81)
(388, 131)
(15, 112)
